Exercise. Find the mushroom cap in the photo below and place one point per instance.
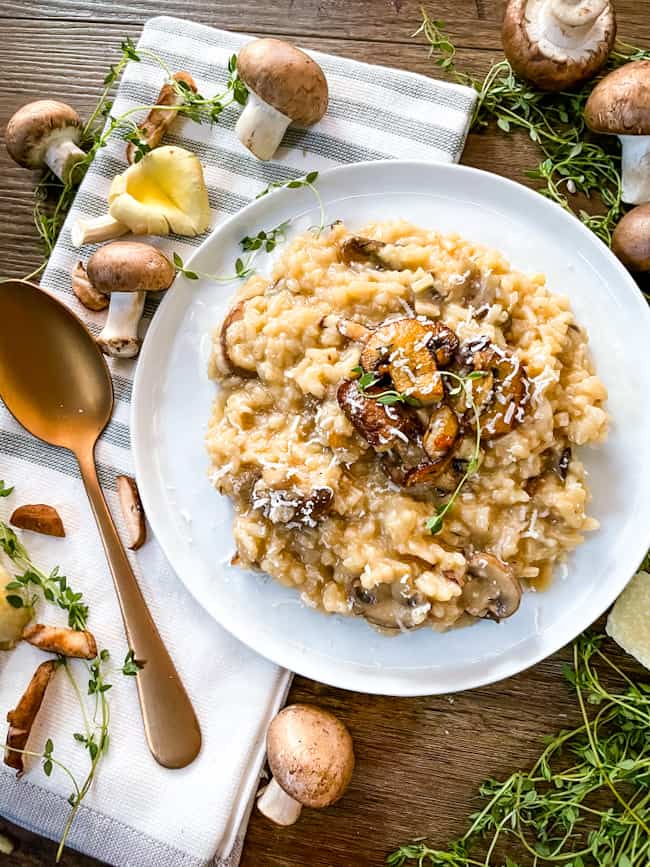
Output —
(493, 591)
(310, 754)
(31, 127)
(128, 266)
(631, 239)
(284, 77)
(549, 65)
(620, 103)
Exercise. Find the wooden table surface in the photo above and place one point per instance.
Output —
(419, 761)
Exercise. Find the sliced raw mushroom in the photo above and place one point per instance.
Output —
(126, 271)
(311, 757)
(558, 44)
(389, 606)
(382, 426)
(85, 291)
(234, 315)
(401, 349)
(290, 506)
(620, 105)
(76, 643)
(132, 511)
(21, 719)
(285, 86)
(153, 128)
(38, 518)
(363, 250)
(492, 591)
(631, 239)
(45, 133)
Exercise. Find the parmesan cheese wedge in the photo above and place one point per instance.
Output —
(629, 620)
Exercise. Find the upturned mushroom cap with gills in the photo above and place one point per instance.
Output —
(620, 105)
(492, 591)
(311, 757)
(127, 270)
(45, 133)
(285, 86)
(631, 239)
(558, 44)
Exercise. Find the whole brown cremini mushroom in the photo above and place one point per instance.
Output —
(620, 105)
(126, 271)
(558, 44)
(631, 239)
(285, 86)
(311, 758)
(45, 132)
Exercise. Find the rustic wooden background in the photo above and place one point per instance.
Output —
(419, 761)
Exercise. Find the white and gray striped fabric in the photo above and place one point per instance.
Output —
(138, 813)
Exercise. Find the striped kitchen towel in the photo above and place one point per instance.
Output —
(139, 813)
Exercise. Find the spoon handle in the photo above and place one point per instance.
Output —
(170, 724)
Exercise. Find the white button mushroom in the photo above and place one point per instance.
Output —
(311, 758)
(45, 132)
(620, 105)
(558, 44)
(285, 86)
(126, 271)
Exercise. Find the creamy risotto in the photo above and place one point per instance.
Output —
(396, 426)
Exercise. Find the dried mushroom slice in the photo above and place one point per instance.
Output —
(493, 591)
(382, 426)
(401, 349)
(21, 719)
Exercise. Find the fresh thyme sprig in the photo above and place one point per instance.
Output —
(389, 397)
(463, 384)
(308, 181)
(574, 160)
(5, 492)
(585, 801)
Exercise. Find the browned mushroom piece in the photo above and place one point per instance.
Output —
(442, 433)
(292, 507)
(311, 757)
(443, 342)
(389, 606)
(558, 44)
(153, 128)
(382, 426)
(363, 250)
(492, 591)
(234, 315)
(631, 238)
(38, 518)
(285, 86)
(501, 394)
(401, 349)
(76, 643)
(132, 511)
(21, 719)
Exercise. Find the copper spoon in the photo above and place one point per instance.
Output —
(55, 382)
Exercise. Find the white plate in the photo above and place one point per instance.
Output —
(173, 395)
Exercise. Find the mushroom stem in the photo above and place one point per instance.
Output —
(635, 165)
(119, 337)
(276, 805)
(96, 230)
(577, 13)
(62, 155)
(260, 127)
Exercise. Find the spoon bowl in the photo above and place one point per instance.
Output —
(55, 382)
(53, 379)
